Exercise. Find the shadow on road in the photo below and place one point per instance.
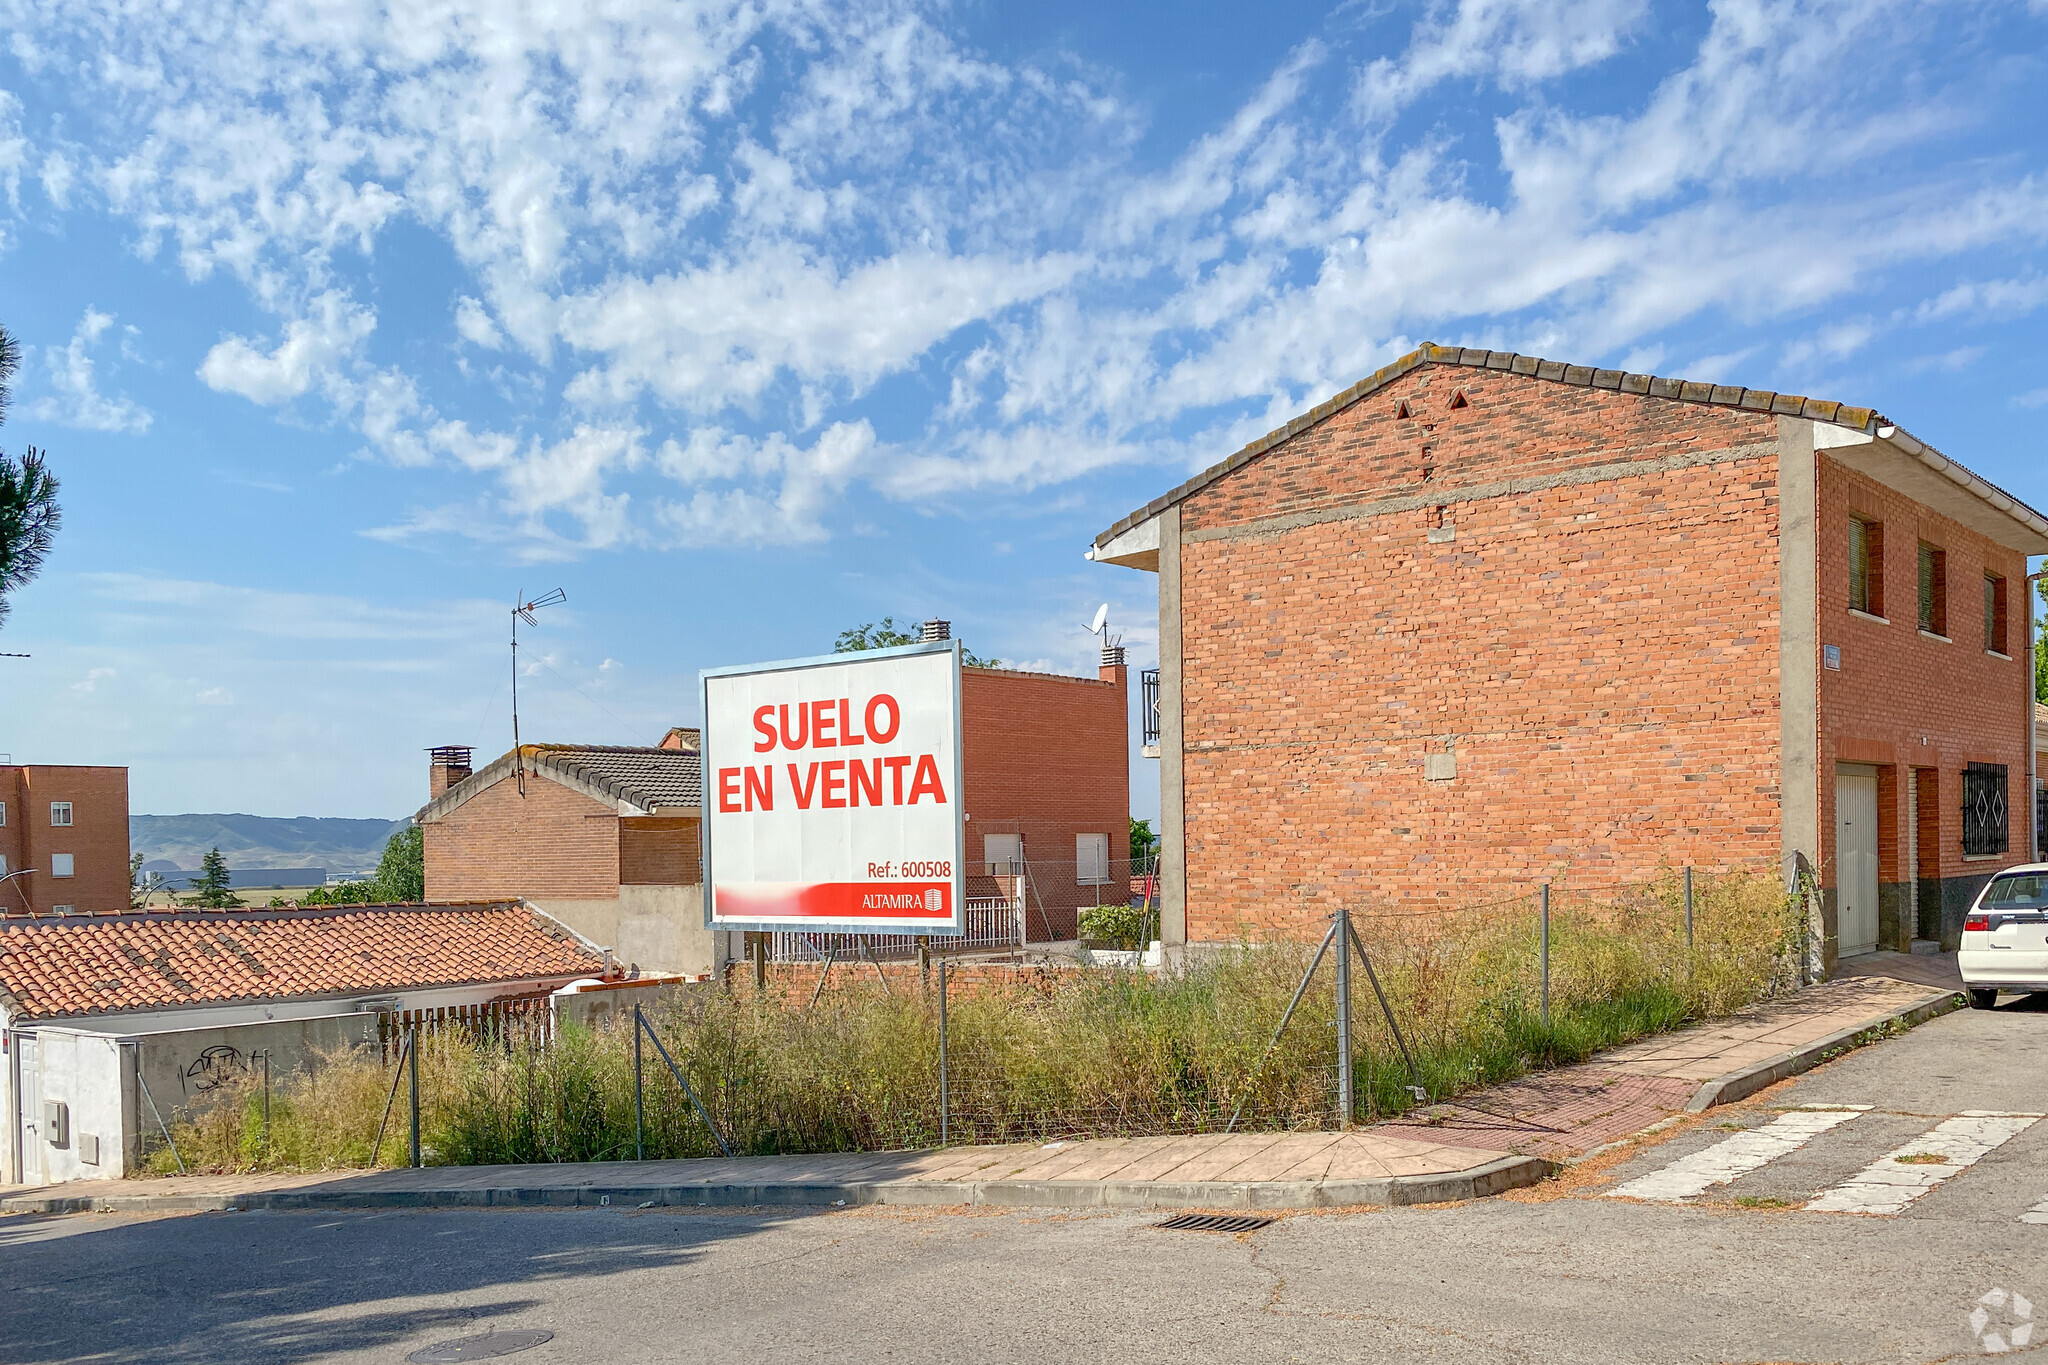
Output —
(289, 1287)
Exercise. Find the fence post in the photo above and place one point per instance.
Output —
(759, 945)
(413, 1055)
(1688, 907)
(1543, 955)
(266, 1101)
(1344, 1096)
(945, 1098)
(639, 1107)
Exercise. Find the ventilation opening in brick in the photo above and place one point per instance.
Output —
(1458, 400)
(1401, 409)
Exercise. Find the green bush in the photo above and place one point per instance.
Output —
(1116, 926)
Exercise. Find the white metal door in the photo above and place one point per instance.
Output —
(30, 1128)
(1856, 862)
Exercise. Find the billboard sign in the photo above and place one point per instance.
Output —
(832, 793)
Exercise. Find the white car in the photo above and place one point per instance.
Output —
(2005, 937)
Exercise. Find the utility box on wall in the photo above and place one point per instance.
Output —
(57, 1123)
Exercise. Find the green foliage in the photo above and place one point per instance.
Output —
(1063, 1054)
(29, 515)
(887, 634)
(402, 871)
(212, 888)
(1115, 926)
(2041, 653)
(401, 875)
(1143, 841)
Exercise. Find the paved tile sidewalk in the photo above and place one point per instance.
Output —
(1489, 1141)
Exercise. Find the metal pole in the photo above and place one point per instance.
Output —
(266, 1099)
(156, 1113)
(1299, 991)
(684, 1082)
(1418, 1090)
(945, 1098)
(1544, 954)
(397, 1075)
(760, 947)
(1344, 1109)
(1688, 906)
(414, 1060)
(639, 1103)
(831, 954)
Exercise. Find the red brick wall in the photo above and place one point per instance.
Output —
(1902, 700)
(1603, 657)
(1048, 757)
(97, 839)
(553, 843)
(659, 851)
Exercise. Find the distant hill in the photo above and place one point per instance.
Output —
(344, 847)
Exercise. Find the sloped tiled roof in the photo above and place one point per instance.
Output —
(1582, 376)
(647, 777)
(59, 968)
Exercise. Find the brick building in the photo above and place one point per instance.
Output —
(604, 838)
(1483, 620)
(63, 840)
(1046, 762)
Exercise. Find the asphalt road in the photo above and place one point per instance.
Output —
(1562, 1273)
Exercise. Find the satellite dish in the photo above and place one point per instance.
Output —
(1101, 616)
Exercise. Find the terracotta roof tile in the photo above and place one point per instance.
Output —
(56, 968)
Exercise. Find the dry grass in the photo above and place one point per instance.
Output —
(1109, 1053)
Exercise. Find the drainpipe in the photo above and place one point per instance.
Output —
(2033, 729)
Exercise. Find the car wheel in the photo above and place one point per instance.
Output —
(1983, 1000)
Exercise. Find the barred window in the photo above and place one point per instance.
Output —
(1866, 566)
(1933, 590)
(1986, 819)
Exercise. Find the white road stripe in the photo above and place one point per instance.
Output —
(1736, 1156)
(1887, 1185)
(2036, 1214)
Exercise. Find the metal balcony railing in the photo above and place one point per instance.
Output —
(1148, 692)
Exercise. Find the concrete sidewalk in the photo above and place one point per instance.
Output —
(1493, 1140)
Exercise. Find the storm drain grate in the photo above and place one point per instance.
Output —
(489, 1346)
(1215, 1222)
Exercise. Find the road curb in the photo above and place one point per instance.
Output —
(1492, 1177)
(1737, 1085)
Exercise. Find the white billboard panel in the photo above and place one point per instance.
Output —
(832, 793)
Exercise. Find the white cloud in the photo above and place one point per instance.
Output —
(311, 352)
(711, 251)
(74, 399)
(2032, 398)
(92, 679)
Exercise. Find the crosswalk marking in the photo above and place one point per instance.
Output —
(1736, 1156)
(2036, 1214)
(1896, 1179)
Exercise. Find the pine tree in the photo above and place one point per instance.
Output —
(29, 516)
(212, 888)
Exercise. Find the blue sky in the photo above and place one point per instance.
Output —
(744, 323)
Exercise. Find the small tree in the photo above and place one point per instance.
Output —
(212, 889)
(887, 634)
(1143, 841)
(402, 871)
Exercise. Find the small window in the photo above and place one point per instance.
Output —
(1091, 859)
(1866, 566)
(1933, 590)
(63, 909)
(1004, 854)
(60, 865)
(60, 813)
(3, 813)
(1995, 612)
(3, 864)
(1986, 823)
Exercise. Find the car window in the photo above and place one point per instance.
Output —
(2027, 891)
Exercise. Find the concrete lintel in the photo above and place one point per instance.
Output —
(1136, 548)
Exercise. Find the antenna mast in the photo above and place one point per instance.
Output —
(524, 612)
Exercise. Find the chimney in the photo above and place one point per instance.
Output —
(683, 739)
(1111, 668)
(446, 766)
(935, 629)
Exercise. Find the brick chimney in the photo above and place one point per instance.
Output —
(684, 739)
(446, 766)
(1111, 669)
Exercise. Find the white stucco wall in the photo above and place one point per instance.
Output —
(657, 928)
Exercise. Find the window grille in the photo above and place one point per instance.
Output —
(1148, 692)
(1986, 818)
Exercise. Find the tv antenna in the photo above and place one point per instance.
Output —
(524, 612)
